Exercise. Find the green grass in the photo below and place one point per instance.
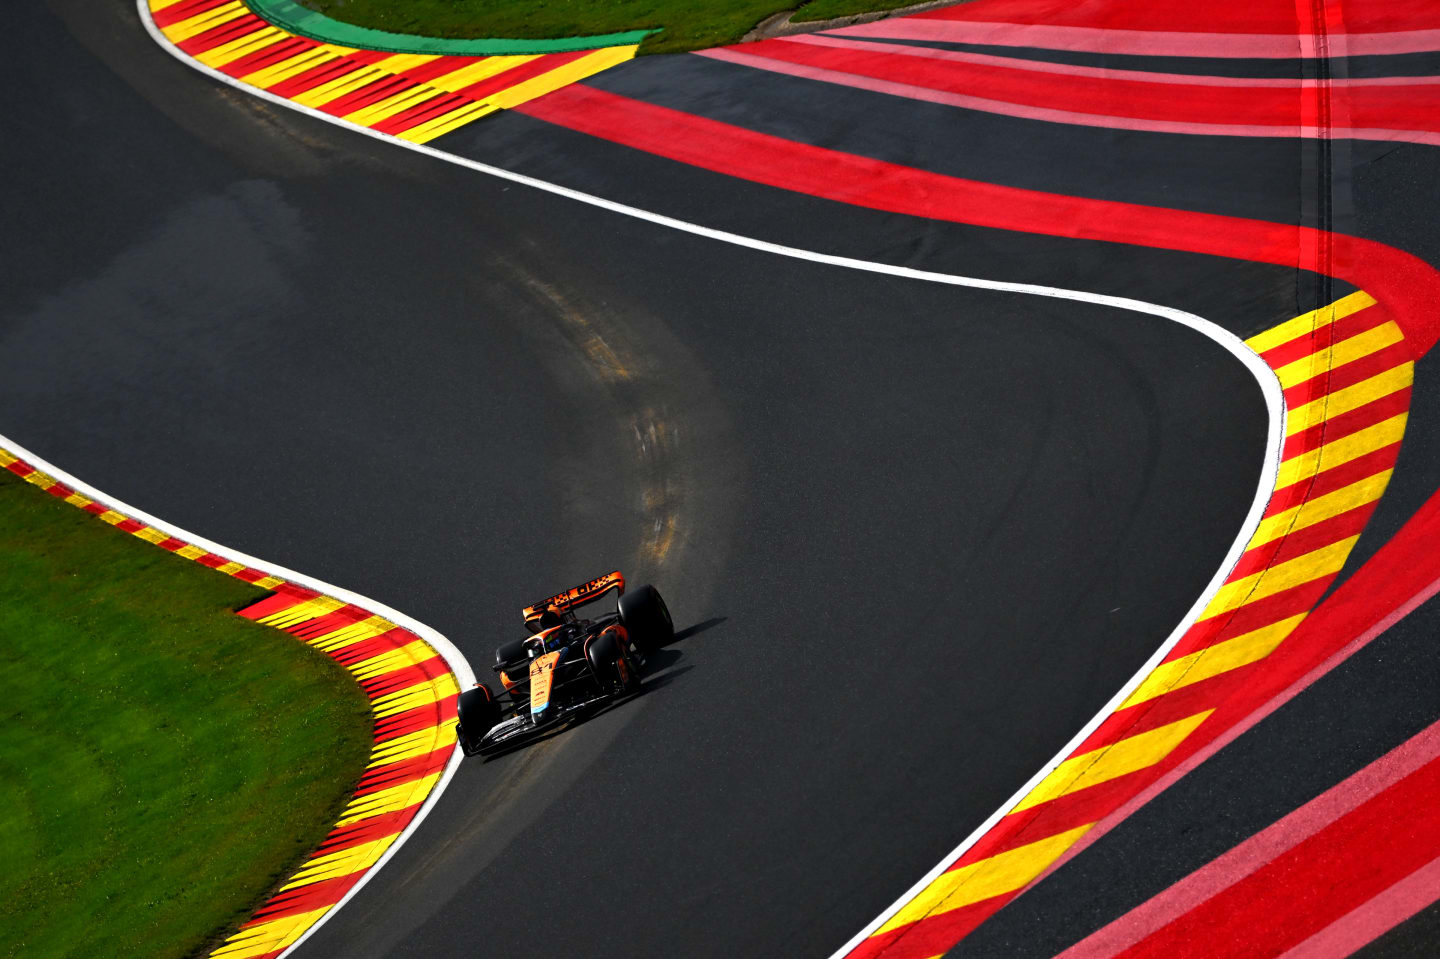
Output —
(163, 762)
(687, 24)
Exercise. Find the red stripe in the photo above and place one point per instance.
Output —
(1398, 107)
(1338, 427)
(1320, 338)
(1301, 541)
(1404, 574)
(1337, 477)
(374, 92)
(519, 74)
(318, 626)
(368, 57)
(20, 468)
(306, 898)
(368, 829)
(407, 770)
(128, 525)
(184, 11)
(1338, 378)
(412, 720)
(171, 543)
(417, 115)
(387, 683)
(282, 49)
(1297, 893)
(224, 33)
(286, 595)
(314, 77)
(1222, 16)
(931, 936)
(388, 641)
(1153, 43)
(1366, 923)
(1402, 281)
(1250, 617)
(426, 72)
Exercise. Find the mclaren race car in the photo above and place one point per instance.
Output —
(567, 667)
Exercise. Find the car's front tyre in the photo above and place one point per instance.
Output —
(478, 713)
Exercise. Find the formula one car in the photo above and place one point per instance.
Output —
(567, 667)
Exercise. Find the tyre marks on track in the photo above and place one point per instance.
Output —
(1346, 372)
(412, 691)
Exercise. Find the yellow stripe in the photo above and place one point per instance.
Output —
(229, 569)
(1106, 763)
(190, 552)
(382, 801)
(1338, 354)
(45, 481)
(269, 582)
(337, 88)
(1350, 398)
(388, 107)
(157, 5)
(1309, 322)
(151, 535)
(565, 75)
(457, 80)
(196, 25)
(1320, 508)
(7, 458)
(446, 122)
(341, 863)
(422, 742)
(401, 62)
(352, 634)
(999, 874)
(1341, 451)
(291, 66)
(388, 662)
(1280, 577)
(1213, 660)
(112, 517)
(300, 612)
(272, 936)
(420, 694)
(246, 45)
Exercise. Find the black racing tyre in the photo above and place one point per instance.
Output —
(614, 671)
(510, 653)
(645, 617)
(477, 713)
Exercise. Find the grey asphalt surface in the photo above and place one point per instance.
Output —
(917, 535)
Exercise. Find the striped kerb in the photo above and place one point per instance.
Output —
(415, 97)
(412, 695)
(1346, 376)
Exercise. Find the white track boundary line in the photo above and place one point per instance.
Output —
(1264, 376)
(459, 665)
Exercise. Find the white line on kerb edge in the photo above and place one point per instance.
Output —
(1264, 376)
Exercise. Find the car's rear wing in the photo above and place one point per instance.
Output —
(578, 596)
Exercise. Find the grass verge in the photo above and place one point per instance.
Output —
(684, 24)
(163, 762)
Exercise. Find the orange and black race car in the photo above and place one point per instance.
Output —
(567, 666)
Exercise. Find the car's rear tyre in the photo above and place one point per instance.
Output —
(477, 713)
(645, 617)
(614, 670)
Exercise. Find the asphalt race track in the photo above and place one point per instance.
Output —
(913, 535)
